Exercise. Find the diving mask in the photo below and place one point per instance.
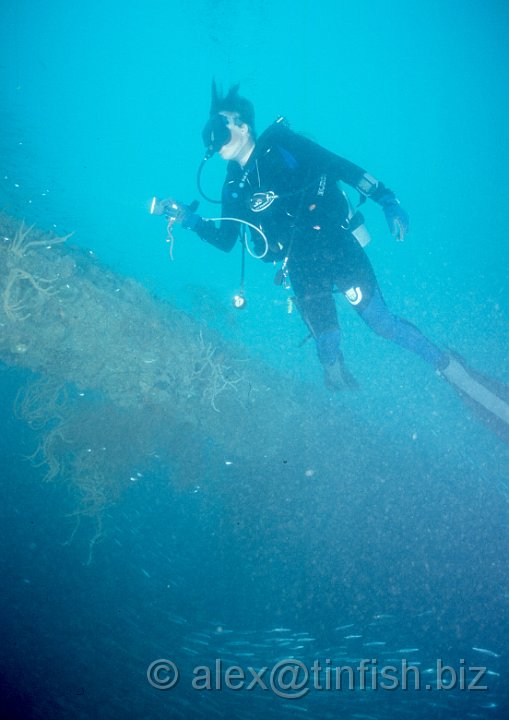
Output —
(215, 134)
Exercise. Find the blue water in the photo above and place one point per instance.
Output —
(102, 107)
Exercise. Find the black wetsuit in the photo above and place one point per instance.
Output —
(289, 189)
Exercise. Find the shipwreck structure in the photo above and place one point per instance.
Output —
(122, 380)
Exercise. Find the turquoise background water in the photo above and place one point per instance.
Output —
(102, 106)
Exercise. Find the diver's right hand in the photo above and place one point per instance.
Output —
(176, 212)
(186, 216)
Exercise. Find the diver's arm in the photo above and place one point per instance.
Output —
(222, 237)
(340, 169)
(225, 235)
(321, 160)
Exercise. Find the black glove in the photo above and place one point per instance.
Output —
(177, 212)
(397, 219)
(186, 216)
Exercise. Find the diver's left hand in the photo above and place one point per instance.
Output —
(397, 218)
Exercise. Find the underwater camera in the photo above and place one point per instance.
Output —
(166, 207)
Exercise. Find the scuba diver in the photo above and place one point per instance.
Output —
(285, 189)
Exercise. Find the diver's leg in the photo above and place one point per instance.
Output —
(377, 316)
(488, 397)
(357, 281)
(315, 302)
